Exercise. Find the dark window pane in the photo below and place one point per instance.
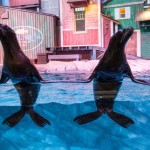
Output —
(80, 18)
(122, 15)
(80, 25)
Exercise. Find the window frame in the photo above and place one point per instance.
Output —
(122, 15)
(127, 13)
(80, 11)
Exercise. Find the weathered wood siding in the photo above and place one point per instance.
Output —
(106, 31)
(31, 42)
(109, 9)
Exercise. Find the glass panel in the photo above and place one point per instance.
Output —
(122, 12)
(80, 25)
(80, 18)
(79, 9)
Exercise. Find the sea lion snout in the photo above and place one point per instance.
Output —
(6, 30)
(129, 30)
(2, 26)
(126, 34)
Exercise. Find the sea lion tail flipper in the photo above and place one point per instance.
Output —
(120, 119)
(14, 118)
(83, 119)
(38, 119)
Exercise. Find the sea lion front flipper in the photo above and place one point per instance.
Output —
(129, 74)
(65, 81)
(120, 119)
(83, 119)
(4, 78)
(14, 118)
(38, 119)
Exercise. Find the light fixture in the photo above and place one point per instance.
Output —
(92, 1)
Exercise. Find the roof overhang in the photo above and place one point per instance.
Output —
(109, 18)
(78, 3)
(143, 16)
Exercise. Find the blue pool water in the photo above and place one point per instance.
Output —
(60, 103)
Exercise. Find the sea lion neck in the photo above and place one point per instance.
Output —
(12, 50)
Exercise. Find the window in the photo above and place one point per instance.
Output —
(115, 28)
(122, 13)
(148, 1)
(79, 18)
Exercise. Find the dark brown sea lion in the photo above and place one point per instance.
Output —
(25, 77)
(108, 77)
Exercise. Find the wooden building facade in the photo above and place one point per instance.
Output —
(35, 31)
(133, 13)
(83, 24)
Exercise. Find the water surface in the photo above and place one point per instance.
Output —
(60, 103)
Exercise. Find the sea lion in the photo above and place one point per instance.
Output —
(108, 77)
(24, 76)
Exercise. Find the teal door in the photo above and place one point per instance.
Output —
(145, 45)
(145, 39)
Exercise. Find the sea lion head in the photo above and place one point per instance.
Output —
(8, 38)
(114, 57)
(6, 31)
(119, 39)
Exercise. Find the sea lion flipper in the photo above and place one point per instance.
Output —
(14, 118)
(83, 119)
(4, 78)
(141, 81)
(38, 119)
(129, 74)
(65, 81)
(120, 119)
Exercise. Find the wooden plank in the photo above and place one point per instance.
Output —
(65, 57)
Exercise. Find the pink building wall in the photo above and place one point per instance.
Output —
(23, 2)
(87, 37)
(131, 46)
(106, 31)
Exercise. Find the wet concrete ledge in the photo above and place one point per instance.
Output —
(137, 65)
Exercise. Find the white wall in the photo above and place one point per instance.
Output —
(50, 6)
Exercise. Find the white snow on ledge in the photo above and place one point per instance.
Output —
(137, 65)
